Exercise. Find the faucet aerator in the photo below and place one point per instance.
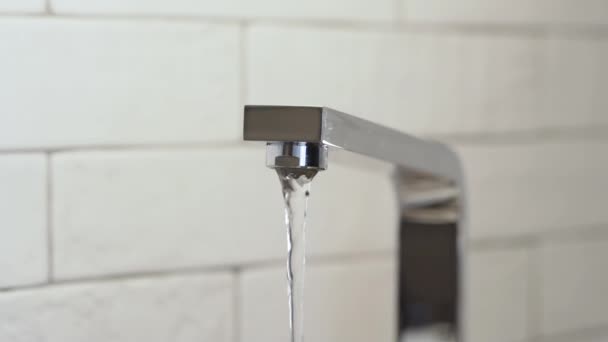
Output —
(296, 159)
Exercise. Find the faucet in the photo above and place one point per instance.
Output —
(429, 182)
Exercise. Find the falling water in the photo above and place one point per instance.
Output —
(296, 189)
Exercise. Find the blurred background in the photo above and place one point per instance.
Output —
(131, 210)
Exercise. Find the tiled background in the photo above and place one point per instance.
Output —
(130, 209)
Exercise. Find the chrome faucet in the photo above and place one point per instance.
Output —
(429, 181)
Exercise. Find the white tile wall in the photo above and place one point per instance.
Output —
(422, 82)
(88, 82)
(360, 10)
(585, 339)
(563, 184)
(144, 76)
(514, 85)
(574, 284)
(339, 305)
(177, 308)
(352, 210)
(118, 212)
(600, 83)
(496, 294)
(23, 228)
(22, 6)
(589, 12)
(576, 82)
(593, 339)
(591, 335)
(384, 76)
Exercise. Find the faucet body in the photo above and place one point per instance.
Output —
(429, 183)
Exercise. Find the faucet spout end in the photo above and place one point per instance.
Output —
(296, 158)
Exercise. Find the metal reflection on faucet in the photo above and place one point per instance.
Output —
(430, 186)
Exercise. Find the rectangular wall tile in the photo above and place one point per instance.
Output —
(592, 339)
(118, 212)
(574, 283)
(353, 301)
(596, 338)
(591, 12)
(92, 82)
(181, 308)
(531, 188)
(23, 215)
(514, 74)
(313, 9)
(496, 294)
(422, 82)
(591, 335)
(600, 83)
(22, 6)
(575, 77)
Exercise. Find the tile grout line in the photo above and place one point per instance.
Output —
(196, 270)
(576, 232)
(399, 10)
(48, 8)
(127, 147)
(484, 28)
(585, 333)
(534, 307)
(584, 133)
(597, 133)
(243, 28)
(237, 304)
(49, 219)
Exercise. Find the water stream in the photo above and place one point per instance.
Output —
(296, 189)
